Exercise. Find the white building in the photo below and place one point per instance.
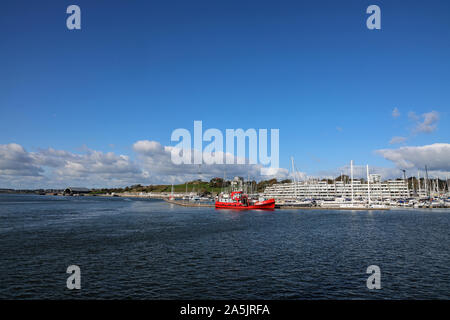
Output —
(322, 190)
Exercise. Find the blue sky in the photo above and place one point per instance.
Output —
(138, 70)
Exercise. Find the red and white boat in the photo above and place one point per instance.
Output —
(239, 200)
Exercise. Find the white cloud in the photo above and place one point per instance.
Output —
(395, 113)
(425, 123)
(279, 173)
(435, 156)
(148, 147)
(396, 140)
(59, 168)
(413, 116)
(16, 161)
(156, 160)
(50, 168)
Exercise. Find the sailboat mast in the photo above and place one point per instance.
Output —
(351, 174)
(368, 185)
(293, 173)
(418, 181)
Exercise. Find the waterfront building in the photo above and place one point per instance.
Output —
(324, 190)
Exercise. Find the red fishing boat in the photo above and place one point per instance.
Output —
(238, 200)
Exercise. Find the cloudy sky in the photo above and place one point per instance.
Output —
(97, 106)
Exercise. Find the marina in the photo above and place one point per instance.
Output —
(342, 193)
(350, 190)
(345, 192)
(370, 192)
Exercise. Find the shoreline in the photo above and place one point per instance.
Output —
(165, 197)
(187, 204)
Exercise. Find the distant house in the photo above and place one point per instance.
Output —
(76, 190)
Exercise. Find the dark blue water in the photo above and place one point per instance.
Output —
(148, 249)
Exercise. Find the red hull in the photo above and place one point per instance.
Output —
(266, 204)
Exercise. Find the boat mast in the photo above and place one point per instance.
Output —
(418, 181)
(335, 191)
(223, 188)
(295, 182)
(446, 182)
(368, 185)
(351, 174)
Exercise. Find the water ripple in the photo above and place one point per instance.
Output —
(146, 249)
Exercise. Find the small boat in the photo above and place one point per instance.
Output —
(239, 200)
(295, 203)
